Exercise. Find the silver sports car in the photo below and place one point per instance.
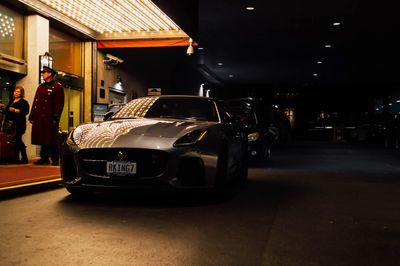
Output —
(155, 142)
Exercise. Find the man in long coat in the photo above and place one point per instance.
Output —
(45, 116)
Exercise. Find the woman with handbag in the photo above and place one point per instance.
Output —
(16, 111)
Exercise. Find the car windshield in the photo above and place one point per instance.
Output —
(175, 108)
(245, 114)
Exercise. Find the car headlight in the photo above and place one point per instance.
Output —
(75, 137)
(191, 138)
(253, 136)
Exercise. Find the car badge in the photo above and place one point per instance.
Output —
(122, 155)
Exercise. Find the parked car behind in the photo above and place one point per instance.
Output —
(256, 119)
(162, 141)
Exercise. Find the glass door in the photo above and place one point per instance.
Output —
(72, 113)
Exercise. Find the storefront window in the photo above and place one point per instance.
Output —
(66, 52)
(11, 32)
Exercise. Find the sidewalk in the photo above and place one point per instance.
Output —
(16, 177)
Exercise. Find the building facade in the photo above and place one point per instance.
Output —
(31, 29)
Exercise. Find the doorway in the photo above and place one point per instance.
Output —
(72, 113)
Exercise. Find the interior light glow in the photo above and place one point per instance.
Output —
(115, 15)
(250, 8)
(7, 26)
(336, 24)
(315, 74)
(328, 46)
(319, 62)
(220, 64)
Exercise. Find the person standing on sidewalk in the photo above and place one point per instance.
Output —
(16, 111)
(45, 116)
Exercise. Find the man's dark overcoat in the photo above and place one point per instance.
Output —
(45, 114)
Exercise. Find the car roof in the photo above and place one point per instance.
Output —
(182, 96)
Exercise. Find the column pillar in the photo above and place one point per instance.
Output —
(37, 43)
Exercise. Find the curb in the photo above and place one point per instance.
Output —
(29, 188)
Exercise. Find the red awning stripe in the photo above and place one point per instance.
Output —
(144, 43)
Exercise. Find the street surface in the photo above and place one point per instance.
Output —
(314, 204)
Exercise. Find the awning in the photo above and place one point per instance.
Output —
(143, 43)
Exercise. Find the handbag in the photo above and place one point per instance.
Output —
(8, 127)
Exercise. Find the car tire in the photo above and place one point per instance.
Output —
(222, 168)
(244, 169)
(266, 152)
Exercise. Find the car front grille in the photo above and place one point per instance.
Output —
(149, 163)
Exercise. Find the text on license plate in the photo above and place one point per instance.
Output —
(121, 168)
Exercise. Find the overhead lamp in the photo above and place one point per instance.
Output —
(250, 8)
(190, 49)
(336, 24)
(220, 64)
(315, 74)
(231, 76)
(319, 62)
(328, 46)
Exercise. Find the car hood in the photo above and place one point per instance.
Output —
(138, 133)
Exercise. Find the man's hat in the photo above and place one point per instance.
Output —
(48, 69)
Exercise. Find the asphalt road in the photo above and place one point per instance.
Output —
(314, 204)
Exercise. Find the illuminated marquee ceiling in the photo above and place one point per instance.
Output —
(110, 19)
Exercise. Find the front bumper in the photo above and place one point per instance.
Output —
(181, 168)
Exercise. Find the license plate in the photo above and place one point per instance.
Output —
(121, 168)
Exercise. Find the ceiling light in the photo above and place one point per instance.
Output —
(336, 23)
(231, 76)
(220, 64)
(319, 62)
(328, 46)
(200, 48)
(315, 74)
(250, 8)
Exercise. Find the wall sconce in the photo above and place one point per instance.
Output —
(44, 60)
(190, 50)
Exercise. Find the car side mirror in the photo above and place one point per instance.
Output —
(108, 115)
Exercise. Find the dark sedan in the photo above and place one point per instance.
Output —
(257, 122)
